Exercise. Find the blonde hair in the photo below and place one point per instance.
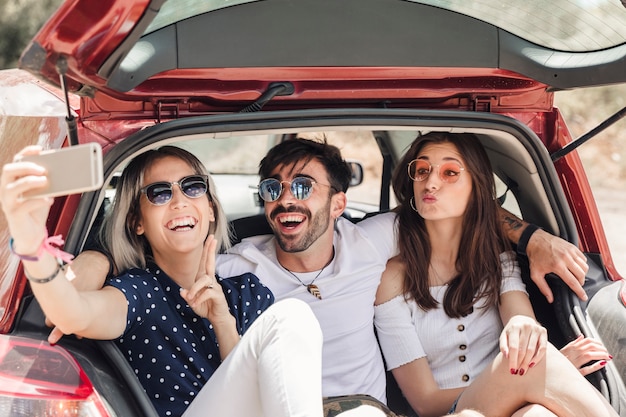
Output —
(118, 236)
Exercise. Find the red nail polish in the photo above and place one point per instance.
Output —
(602, 363)
(530, 365)
(610, 357)
(513, 371)
(521, 372)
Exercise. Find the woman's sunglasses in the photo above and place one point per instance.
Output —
(271, 189)
(449, 172)
(193, 186)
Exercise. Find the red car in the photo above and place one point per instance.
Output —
(228, 80)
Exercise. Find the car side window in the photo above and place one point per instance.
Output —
(507, 198)
(234, 165)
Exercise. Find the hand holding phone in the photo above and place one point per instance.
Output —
(70, 170)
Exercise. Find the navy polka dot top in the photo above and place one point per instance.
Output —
(172, 350)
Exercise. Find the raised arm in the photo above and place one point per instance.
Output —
(98, 314)
(547, 254)
(87, 272)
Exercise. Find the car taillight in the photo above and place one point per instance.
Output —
(37, 379)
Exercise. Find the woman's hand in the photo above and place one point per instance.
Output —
(26, 217)
(583, 350)
(207, 300)
(523, 342)
(205, 296)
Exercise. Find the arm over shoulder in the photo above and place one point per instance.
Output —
(383, 227)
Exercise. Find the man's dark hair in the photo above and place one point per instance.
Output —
(295, 151)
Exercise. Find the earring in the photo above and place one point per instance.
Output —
(412, 203)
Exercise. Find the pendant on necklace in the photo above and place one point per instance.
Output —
(312, 288)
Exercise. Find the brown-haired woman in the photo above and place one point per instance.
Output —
(454, 320)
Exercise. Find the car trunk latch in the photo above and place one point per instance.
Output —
(481, 104)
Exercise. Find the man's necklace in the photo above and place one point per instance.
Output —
(311, 287)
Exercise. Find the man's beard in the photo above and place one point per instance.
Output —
(318, 225)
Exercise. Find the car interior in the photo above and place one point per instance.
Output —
(527, 186)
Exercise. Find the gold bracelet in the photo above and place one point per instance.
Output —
(49, 278)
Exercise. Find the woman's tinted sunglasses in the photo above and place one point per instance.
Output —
(193, 186)
(419, 170)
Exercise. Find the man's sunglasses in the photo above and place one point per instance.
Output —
(449, 172)
(301, 188)
(193, 186)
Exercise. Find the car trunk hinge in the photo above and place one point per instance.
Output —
(584, 138)
(482, 104)
(72, 132)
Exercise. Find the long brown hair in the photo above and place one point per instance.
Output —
(482, 239)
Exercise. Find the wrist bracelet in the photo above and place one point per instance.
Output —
(49, 277)
(33, 258)
(46, 246)
(525, 237)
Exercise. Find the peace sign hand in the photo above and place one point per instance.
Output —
(205, 296)
(207, 300)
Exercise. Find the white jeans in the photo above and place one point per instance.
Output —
(274, 370)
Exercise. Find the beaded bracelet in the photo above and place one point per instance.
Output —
(525, 237)
(60, 266)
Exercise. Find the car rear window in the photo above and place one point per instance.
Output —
(175, 11)
(566, 25)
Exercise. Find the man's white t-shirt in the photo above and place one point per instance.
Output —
(351, 358)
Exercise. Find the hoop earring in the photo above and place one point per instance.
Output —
(412, 203)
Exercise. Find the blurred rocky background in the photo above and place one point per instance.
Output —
(19, 21)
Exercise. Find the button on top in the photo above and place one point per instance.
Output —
(465, 378)
(462, 358)
(460, 327)
(463, 347)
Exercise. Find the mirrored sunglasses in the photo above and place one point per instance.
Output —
(449, 172)
(301, 188)
(192, 186)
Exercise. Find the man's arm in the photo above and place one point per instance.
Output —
(548, 254)
(89, 270)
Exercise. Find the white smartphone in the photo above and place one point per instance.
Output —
(71, 170)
